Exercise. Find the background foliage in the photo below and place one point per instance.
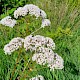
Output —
(64, 30)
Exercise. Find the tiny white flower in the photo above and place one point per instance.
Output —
(43, 14)
(17, 12)
(50, 43)
(38, 77)
(45, 22)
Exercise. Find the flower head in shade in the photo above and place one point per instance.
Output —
(7, 21)
(38, 77)
(45, 22)
(13, 45)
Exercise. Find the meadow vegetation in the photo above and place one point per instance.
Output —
(64, 30)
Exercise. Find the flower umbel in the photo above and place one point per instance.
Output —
(34, 42)
(13, 45)
(47, 56)
(29, 9)
(7, 21)
(45, 22)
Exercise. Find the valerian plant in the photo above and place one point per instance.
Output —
(37, 49)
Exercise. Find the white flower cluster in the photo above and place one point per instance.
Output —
(32, 10)
(30, 43)
(43, 56)
(13, 45)
(23, 11)
(34, 42)
(47, 56)
(45, 22)
(57, 62)
(29, 9)
(20, 12)
(38, 77)
(7, 21)
(43, 47)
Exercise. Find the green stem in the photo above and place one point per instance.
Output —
(36, 30)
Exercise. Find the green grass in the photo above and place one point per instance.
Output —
(64, 30)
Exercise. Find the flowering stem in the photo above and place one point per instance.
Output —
(27, 65)
(15, 65)
(36, 30)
